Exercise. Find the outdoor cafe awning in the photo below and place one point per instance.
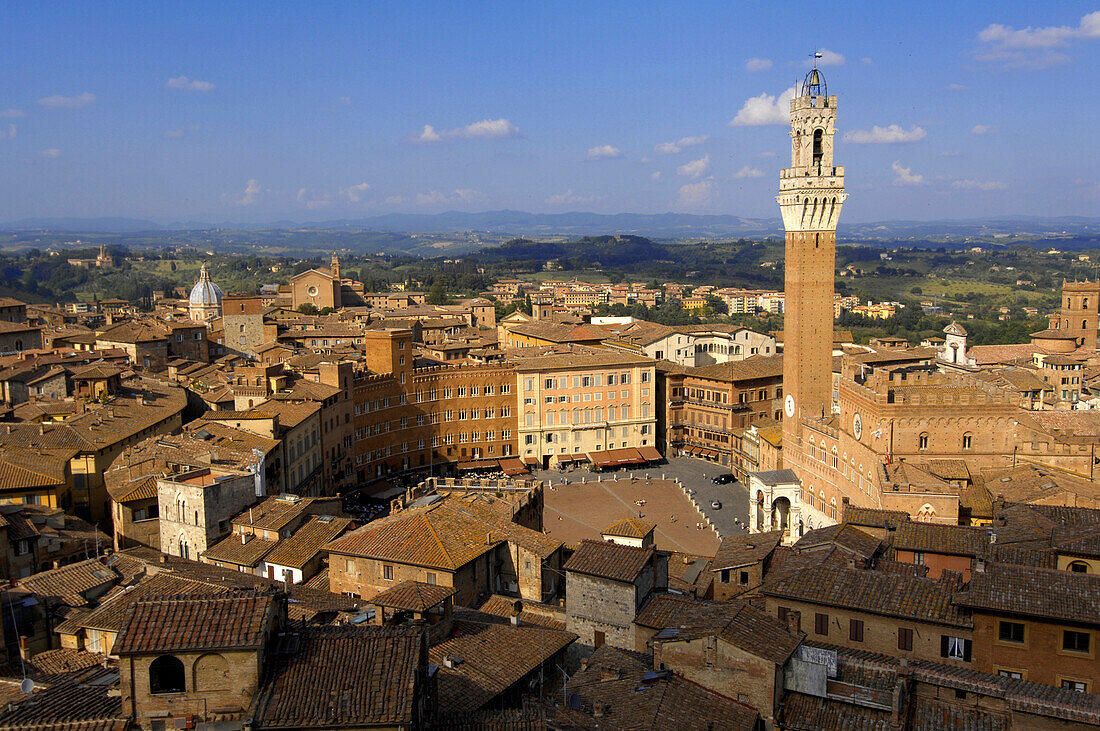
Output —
(480, 464)
(616, 457)
(513, 466)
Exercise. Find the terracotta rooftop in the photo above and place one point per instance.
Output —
(874, 592)
(873, 517)
(609, 560)
(70, 584)
(248, 552)
(630, 528)
(624, 684)
(545, 615)
(413, 596)
(494, 658)
(847, 537)
(1042, 593)
(195, 622)
(82, 701)
(446, 533)
(744, 549)
(760, 366)
(306, 542)
(682, 612)
(340, 677)
(955, 540)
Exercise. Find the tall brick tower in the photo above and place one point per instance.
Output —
(811, 193)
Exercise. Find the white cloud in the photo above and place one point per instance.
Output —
(11, 113)
(694, 195)
(57, 101)
(885, 135)
(758, 64)
(314, 202)
(957, 87)
(432, 196)
(828, 58)
(186, 84)
(486, 129)
(490, 129)
(767, 153)
(10, 134)
(695, 168)
(393, 200)
(765, 109)
(458, 195)
(571, 198)
(355, 193)
(671, 148)
(175, 134)
(251, 193)
(749, 172)
(428, 134)
(971, 184)
(656, 176)
(345, 101)
(982, 129)
(906, 176)
(604, 152)
(52, 153)
(1032, 47)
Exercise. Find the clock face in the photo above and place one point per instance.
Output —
(788, 406)
(857, 426)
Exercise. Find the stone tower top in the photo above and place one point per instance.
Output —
(811, 190)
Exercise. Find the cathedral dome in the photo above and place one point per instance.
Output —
(205, 292)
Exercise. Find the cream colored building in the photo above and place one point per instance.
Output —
(572, 401)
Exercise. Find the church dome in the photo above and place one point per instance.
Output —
(205, 292)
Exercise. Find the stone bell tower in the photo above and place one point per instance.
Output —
(811, 193)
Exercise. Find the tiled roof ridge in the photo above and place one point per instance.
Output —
(435, 536)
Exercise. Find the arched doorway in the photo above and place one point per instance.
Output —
(781, 513)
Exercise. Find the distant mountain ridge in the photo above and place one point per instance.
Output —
(656, 225)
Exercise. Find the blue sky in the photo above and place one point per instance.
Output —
(315, 111)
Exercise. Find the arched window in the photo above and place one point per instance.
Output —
(819, 136)
(211, 673)
(1085, 303)
(1079, 567)
(166, 675)
(922, 441)
(968, 440)
(1084, 324)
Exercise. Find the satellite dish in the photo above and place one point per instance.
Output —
(27, 686)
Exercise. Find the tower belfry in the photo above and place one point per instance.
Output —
(811, 193)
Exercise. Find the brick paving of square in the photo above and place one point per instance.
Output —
(581, 510)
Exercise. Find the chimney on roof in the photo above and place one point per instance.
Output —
(489, 538)
(164, 558)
